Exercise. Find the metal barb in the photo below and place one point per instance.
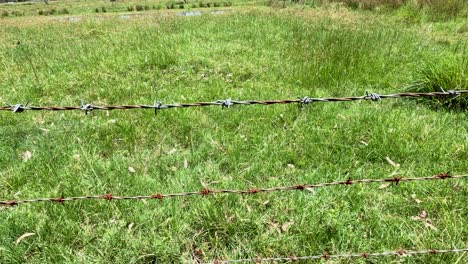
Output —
(157, 106)
(304, 101)
(86, 107)
(372, 96)
(453, 93)
(18, 108)
(225, 103)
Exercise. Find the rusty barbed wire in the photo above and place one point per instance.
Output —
(18, 108)
(206, 191)
(326, 256)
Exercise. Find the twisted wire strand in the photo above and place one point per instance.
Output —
(17, 108)
(326, 256)
(207, 191)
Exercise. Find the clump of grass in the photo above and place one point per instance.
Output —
(434, 10)
(216, 4)
(64, 11)
(17, 13)
(5, 13)
(52, 11)
(96, 10)
(274, 3)
(103, 9)
(139, 8)
(226, 4)
(181, 6)
(201, 4)
(194, 5)
(442, 9)
(130, 8)
(445, 75)
(463, 29)
(146, 7)
(371, 4)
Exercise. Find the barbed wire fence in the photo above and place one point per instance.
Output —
(207, 191)
(87, 107)
(156, 106)
(326, 256)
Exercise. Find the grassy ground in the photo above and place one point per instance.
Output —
(254, 53)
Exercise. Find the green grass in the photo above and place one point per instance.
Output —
(247, 53)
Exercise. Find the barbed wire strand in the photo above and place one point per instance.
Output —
(326, 256)
(207, 191)
(18, 108)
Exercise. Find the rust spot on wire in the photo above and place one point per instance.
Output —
(401, 252)
(108, 196)
(348, 181)
(444, 175)
(11, 203)
(325, 255)
(205, 191)
(365, 255)
(59, 200)
(157, 196)
(396, 180)
(253, 191)
(300, 187)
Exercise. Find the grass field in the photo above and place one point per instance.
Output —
(250, 51)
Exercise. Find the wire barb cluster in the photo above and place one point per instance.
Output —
(18, 108)
(326, 256)
(206, 191)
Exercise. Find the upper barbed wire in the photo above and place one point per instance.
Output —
(18, 108)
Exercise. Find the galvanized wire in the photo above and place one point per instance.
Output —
(207, 191)
(18, 108)
(326, 256)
